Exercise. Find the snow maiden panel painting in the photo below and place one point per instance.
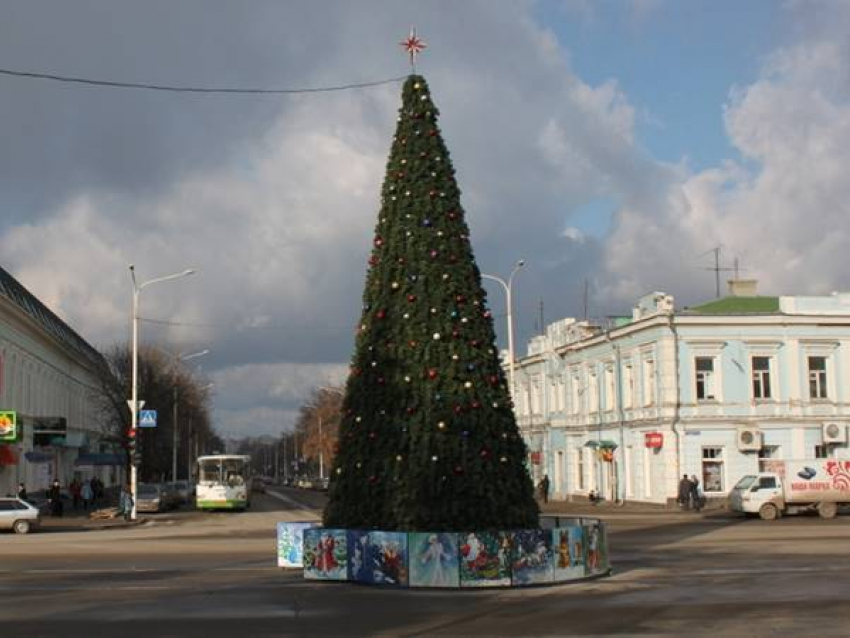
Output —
(433, 560)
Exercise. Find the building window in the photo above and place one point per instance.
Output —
(712, 469)
(593, 386)
(766, 455)
(575, 394)
(821, 451)
(628, 386)
(648, 382)
(817, 377)
(705, 378)
(761, 377)
(580, 482)
(609, 388)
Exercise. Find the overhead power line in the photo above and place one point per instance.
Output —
(32, 75)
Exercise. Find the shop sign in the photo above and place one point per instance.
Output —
(8, 426)
(654, 440)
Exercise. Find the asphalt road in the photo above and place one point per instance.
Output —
(200, 574)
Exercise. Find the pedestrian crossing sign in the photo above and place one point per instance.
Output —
(147, 418)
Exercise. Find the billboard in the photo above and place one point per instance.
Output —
(8, 426)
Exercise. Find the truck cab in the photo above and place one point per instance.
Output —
(760, 494)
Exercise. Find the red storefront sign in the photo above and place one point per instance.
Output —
(654, 439)
(7, 455)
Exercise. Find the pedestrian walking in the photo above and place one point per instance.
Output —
(22, 492)
(54, 495)
(695, 496)
(88, 495)
(544, 488)
(125, 503)
(684, 495)
(75, 488)
(93, 485)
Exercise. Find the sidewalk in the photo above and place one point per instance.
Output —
(78, 520)
(607, 508)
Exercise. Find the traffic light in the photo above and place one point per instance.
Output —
(132, 447)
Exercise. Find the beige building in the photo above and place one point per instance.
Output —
(49, 376)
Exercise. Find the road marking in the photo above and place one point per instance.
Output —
(286, 499)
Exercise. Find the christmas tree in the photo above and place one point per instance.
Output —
(428, 438)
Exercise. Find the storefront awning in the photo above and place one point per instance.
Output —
(99, 459)
(604, 444)
(38, 457)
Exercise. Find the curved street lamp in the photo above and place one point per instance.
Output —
(134, 400)
(507, 285)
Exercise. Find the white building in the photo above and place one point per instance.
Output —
(48, 376)
(710, 391)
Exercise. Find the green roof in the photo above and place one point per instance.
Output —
(738, 306)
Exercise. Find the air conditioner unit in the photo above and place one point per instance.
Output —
(749, 439)
(834, 432)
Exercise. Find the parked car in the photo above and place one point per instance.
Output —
(171, 495)
(184, 491)
(18, 515)
(258, 485)
(150, 498)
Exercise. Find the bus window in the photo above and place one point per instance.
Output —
(210, 472)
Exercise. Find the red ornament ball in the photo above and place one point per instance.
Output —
(432, 373)
(411, 298)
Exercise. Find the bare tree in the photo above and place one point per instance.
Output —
(318, 424)
(156, 379)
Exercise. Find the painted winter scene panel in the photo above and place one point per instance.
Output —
(532, 557)
(378, 558)
(568, 549)
(433, 560)
(325, 554)
(290, 543)
(485, 559)
(597, 548)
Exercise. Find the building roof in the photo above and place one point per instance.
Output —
(14, 291)
(737, 306)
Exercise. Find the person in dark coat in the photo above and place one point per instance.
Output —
(22, 492)
(544, 488)
(55, 496)
(684, 496)
(696, 497)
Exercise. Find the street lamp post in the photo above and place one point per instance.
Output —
(134, 400)
(321, 437)
(508, 285)
(174, 430)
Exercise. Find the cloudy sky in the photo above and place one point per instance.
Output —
(608, 142)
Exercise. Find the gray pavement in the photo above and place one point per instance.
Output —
(675, 573)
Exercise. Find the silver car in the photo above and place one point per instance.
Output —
(18, 515)
(150, 498)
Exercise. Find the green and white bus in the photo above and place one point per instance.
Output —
(224, 482)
